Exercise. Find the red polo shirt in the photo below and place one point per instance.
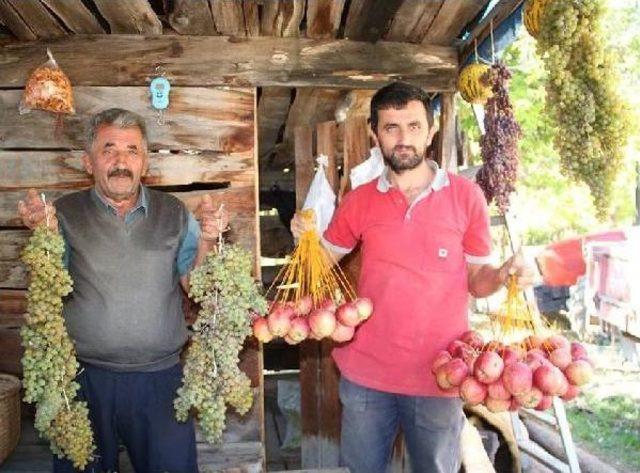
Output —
(414, 270)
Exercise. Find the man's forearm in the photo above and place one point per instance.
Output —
(486, 280)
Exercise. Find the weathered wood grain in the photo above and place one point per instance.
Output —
(273, 109)
(258, 61)
(228, 17)
(129, 16)
(451, 19)
(282, 18)
(23, 170)
(192, 17)
(39, 19)
(323, 18)
(75, 16)
(197, 118)
(369, 20)
(412, 20)
(14, 22)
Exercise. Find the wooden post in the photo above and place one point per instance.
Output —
(448, 132)
(329, 378)
(326, 144)
(356, 147)
(319, 402)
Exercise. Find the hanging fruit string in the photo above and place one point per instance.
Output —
(227, 294)
(583, 98)
(515, 316)
(49, 360)
(311, 297)
(311, 271)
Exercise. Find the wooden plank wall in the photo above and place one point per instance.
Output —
(207, 145)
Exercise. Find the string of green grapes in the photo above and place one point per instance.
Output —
(49, 362)
(226, 292)
(582, 95)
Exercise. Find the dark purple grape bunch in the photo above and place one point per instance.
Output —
(499, 144)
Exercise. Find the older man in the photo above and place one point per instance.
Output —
(128, 249)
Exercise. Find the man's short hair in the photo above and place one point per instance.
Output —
(116, 117)
(396, 95)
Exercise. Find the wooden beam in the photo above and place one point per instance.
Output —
(129, 17)
(251, 17)
(482, 30)
(413, 20)
(64, 170)
(192, 17)
(323, 18)
(197, 118)
(228, 16)
(451, 19)
(39, 19)
(282, 18)
(15, 23)
(449, 157)
(218, 60)
(75, 16)
(369, 20)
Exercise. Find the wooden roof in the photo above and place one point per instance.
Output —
(348, 44)
(428, 22)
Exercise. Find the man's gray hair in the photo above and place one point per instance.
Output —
(117, 117)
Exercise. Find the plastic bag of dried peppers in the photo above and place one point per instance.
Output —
(48, 88)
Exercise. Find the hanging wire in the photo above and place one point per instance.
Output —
(493, 50)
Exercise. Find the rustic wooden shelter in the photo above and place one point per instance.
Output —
(259, 87)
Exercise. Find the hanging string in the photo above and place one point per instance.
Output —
(493, 48)
(475, 48)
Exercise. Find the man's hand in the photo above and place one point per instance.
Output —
(517, 266)
(302, 223)
(213, 221)
(485, 279)
(33, 211)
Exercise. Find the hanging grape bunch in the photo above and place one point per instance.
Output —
(227, 293)
(49, 360)
(582, 95)
(499, 144)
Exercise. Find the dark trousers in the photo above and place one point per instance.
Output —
(137, 410)
(370, 421)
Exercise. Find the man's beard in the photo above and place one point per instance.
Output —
(400, 164)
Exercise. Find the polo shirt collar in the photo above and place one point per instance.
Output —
(440, 180)
(142, 203)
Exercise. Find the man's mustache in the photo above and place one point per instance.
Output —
(401, 148)
(120, 173)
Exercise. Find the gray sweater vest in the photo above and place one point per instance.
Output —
(125, 311)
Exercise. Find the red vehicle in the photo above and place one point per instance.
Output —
(610, 261)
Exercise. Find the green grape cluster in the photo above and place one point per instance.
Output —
(582, 97)
(49, 360)
(227, 293)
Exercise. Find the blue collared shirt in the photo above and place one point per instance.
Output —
(188, 245)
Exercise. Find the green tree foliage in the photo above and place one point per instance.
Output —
(550, 205)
